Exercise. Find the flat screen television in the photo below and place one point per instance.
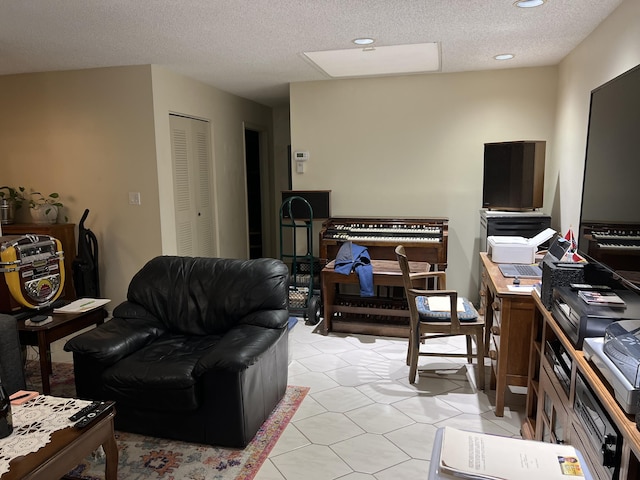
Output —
(610, 211)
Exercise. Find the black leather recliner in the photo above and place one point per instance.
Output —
(198, 352)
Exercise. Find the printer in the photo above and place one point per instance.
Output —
(510, 249)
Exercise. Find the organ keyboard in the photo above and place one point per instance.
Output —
(425, 239)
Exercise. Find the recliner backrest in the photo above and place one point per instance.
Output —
(202, 296)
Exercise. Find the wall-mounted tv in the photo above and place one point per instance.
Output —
(610, 212)
(513, 175)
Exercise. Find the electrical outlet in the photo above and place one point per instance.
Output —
(134, 198)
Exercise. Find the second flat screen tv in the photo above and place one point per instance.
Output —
(513, 175)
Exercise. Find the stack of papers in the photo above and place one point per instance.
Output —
(443, 304)
(82, 305)
(479, 456)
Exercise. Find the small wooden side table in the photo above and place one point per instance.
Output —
(68, 447)
(63, 324)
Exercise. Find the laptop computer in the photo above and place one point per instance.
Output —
(559, 247)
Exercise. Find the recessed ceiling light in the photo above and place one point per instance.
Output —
(528, 3)
(363, 41)
(504, 56)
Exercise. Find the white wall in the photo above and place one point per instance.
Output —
(413, 145)
(611, 49)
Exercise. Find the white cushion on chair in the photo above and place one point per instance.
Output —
(469, 314)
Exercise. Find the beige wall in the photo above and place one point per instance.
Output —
(95, 135)
(88, 135)
(413, 145)
(613, 48)
(228, 115)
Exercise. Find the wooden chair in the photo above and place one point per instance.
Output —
(425, 323)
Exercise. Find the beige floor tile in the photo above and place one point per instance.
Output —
(379, 418)
(415, 440)
(410, 469)
(313, 462)
(342, 399)
(352, 376)
(369, 453)
(328, 428)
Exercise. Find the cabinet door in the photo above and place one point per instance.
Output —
(191, 155)
(552, 423)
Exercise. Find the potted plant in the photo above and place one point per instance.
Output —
(44, 209)
(10, 200)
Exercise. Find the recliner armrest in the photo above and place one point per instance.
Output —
(239, 348)
(266, 318)
(115, 339)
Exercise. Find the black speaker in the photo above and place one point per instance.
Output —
(319, 200)
(513, 175)
(558, 274)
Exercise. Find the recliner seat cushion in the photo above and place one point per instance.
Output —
(160, 374)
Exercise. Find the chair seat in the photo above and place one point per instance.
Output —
(469, 314)
(160, 375)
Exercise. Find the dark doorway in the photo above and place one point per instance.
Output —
(254, 195)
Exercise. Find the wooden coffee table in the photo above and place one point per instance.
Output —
(68, 447)
(63, 324)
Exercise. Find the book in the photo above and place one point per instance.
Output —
(82, 305)
(606, 298)
(443, 304)
(480, 456)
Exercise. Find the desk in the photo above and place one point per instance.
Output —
(63, 324)
(68, 447)
(509, 321)
(385, 273)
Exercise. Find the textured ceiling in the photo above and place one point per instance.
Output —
(254, 48)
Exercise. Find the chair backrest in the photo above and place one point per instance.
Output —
(200, 296)
(434, 285)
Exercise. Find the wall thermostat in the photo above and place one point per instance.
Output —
(301, 156)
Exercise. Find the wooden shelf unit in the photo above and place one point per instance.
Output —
(550, 415)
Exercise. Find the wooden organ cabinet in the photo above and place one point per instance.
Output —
(425, 240)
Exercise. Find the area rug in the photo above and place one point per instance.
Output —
(143, 457)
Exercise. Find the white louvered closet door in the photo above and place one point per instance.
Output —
(191, 155)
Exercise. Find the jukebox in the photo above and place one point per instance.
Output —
(33, 270)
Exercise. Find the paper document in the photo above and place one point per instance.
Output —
(481, 456)
(443, 304)
(82, 305)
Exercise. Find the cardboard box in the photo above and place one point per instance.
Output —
(516, 249)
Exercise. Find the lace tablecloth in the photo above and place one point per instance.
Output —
(33, 424)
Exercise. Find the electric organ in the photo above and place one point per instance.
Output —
(425, 241)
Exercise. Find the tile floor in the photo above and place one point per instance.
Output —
(362, 419)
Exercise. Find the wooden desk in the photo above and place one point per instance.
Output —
(61, 326)
(68, 447)
(385, 273)
(508, 328)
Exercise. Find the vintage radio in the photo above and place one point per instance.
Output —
(33, 270)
